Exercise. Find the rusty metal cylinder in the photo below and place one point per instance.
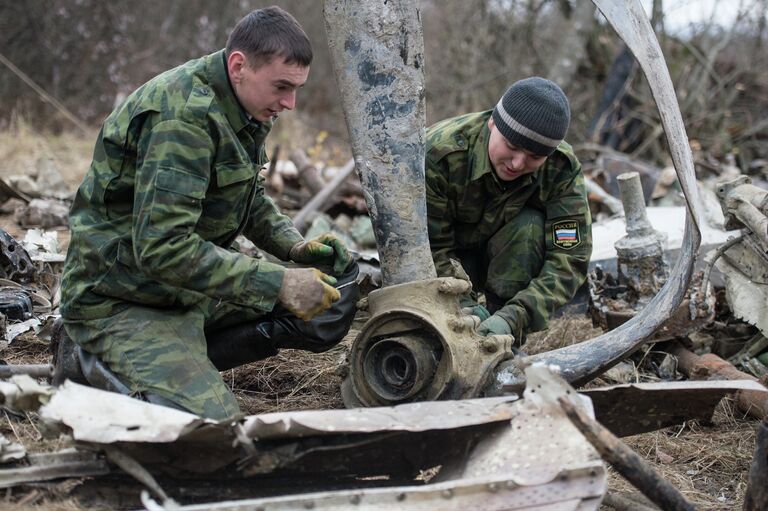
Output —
(640, 254)
(633, 200)
(398, 368)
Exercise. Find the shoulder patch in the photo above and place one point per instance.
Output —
(565, 234)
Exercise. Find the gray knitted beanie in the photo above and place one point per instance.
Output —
(534, 115)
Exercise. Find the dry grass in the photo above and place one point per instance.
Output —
(708, 463)
(22, 146)
(562, 331)
(292, 380)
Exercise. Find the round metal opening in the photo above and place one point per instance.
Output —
(399, 368)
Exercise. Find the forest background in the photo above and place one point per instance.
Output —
(87, 55)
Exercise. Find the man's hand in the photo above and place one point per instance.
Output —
(325, 249)
(469, 306)
(307, 292)
(494, 325)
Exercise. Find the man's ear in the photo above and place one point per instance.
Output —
(235, 64)
(491, 124)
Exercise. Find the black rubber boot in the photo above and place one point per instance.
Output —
(325, 330)
(248, 342)
(66, 364)
(240, 344)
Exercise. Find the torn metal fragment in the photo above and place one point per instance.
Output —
(10, 451)
(636, 408)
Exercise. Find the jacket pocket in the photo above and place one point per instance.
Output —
(227, 201)
(124, 281)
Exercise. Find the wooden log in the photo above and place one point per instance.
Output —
(756, 498)
(621, 503)
(625, 461)
(309, 176)
(712, 367)
(319, 201)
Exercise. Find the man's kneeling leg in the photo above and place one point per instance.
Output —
(160, 353)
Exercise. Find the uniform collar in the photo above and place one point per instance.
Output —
(480, 164)
(218, 77)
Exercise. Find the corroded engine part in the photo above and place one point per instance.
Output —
(609, 307)
(641, 265)
(744, 262)
(418, 346)
(642, 271)
(15, 263)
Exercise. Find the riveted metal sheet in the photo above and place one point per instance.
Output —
(541, 441)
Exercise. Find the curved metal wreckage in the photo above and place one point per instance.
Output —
(582, 362)
(416, 345)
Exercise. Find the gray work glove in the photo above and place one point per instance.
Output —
(307, 292)
(494, 325)
(326, 249)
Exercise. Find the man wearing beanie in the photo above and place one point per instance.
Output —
(507, 207)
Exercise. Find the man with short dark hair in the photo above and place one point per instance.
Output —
(507, 208)
(152, 285)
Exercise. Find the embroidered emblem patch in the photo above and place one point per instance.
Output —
(566, 234)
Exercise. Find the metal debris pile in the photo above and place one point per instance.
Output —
(652, 394)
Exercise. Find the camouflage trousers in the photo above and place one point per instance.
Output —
(164, 352)
(508, 262)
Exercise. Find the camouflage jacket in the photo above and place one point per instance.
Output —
(467, 204)
(174, 179)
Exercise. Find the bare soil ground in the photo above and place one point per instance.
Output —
(708, 462)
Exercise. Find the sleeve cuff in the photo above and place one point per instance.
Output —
(284, 241)
(265, 283)
(517, 318)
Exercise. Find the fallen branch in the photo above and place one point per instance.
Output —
(309, 176)
(712, 367)
(625, 461)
